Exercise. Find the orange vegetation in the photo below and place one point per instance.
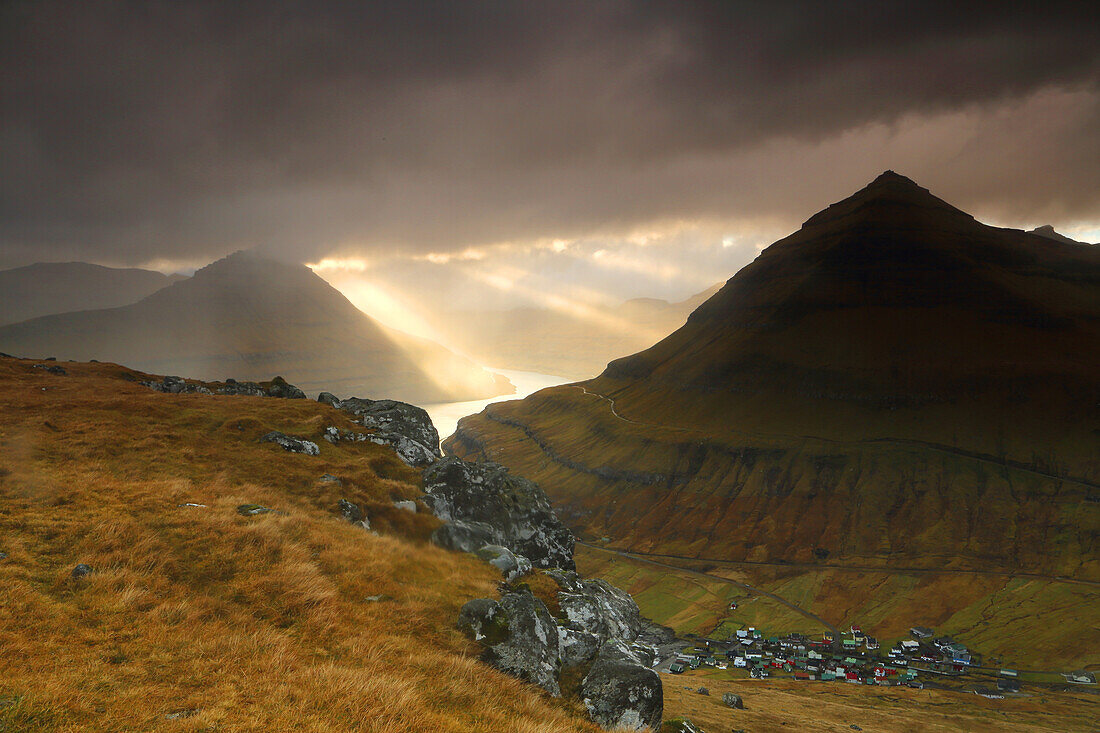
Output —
(291, 620)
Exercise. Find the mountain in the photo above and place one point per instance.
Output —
(893, 385)
(47, 288)
(1048, 231)
(576, 344)
(249, 318)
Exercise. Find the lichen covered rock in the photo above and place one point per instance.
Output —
(622, 693)
(519, 636)
(598, 607)
(291, 444)
(515, 510)
(405, 428)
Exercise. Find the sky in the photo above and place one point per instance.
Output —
(491, 154)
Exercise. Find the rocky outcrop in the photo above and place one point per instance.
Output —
(519, 636)
(515, 511)
(277, 387)
(598, 607)
(733, 701)
(622, 693)
(405, 428)
(352, 513)
(291, 444)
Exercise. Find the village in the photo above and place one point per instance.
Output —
(923, 660)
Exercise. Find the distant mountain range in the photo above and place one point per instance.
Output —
(895, 384)
(252, 318)
(576, 344)
(47, 288)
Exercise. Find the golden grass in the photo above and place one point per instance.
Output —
(253, 623)
(779, 706)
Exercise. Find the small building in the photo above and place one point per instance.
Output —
(872, 643)
(920, 632)
(1009, 673)
(1080, 677)
(676, 668)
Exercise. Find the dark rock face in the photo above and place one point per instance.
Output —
(733, 701)
(82, 571)
(464, 537)
(406, 428)
(52, 369)
(516, 511)
(519, 635)
(291, 444)
(620, 692)
(598, 607)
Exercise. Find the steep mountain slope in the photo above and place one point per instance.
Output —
(576, 345)
(895, 384)
(249, 318)
(47, 288)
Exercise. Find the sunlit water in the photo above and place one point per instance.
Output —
(446, 415)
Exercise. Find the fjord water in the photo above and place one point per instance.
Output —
(446, 415)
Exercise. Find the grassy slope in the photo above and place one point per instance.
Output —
(785, 705)
(1027, 624)
(1008, 620)
(255, 623)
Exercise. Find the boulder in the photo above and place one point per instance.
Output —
(703, 691)
(733, 701)
(463, 537)
(404, 427)
(577, 646)
(328, 398)
(81, 571)
(519, 636)
(291, 444)
(622, 693)
(407, 506)
(516, 511)
(176, 385)
(597, 606)
(251, 510)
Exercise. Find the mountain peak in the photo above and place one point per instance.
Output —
(889, 197)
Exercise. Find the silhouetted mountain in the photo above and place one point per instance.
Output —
(895, 383)
(250, 318)
(1048, 231)
(47, 288)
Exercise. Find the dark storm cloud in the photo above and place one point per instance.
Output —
(137, 130)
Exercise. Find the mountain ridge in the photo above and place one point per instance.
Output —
(804, 406)
(249, 317)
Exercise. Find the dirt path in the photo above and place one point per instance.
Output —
(719, 578)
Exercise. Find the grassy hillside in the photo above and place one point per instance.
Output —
(1020, 622)
(198, 618)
